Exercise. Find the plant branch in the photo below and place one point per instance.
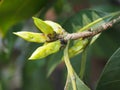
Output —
(90, 32)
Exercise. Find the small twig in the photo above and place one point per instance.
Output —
(90, 33)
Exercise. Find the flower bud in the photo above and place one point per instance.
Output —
(78, 47)
(45, 28)
(56, 27)
(32, 37)
(46, 50)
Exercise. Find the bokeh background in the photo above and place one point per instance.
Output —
(18, 73)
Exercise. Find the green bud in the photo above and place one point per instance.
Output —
(56, 27)
(45, 28)
(78, 47)
(32, 37)
(45, 50)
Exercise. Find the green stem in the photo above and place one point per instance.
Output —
(69, 68)
(98, 20)
(83, 64)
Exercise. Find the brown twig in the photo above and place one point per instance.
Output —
(90, 33)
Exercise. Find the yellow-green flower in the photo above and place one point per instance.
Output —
(50, 30)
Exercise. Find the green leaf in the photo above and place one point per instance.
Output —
(107, 8)
(12, 13)
(110, 39)
(76, 22)
(80, 22)
(81, 19)
(44, 27)
(110, 77)
(85, 20)
(73, 81)
(32, 37)
(80, 85)
(46, 50)
(83, 64)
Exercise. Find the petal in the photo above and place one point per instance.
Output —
(32, 37)
(45, 28)
(46, 50)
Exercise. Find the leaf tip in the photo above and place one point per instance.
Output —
(37, 19)
(15, 33)
(34, 18)
(31, 58)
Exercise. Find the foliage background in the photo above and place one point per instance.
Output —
(17, 73)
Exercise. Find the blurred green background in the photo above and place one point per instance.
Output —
(18, 73)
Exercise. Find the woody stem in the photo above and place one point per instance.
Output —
(90, 32)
